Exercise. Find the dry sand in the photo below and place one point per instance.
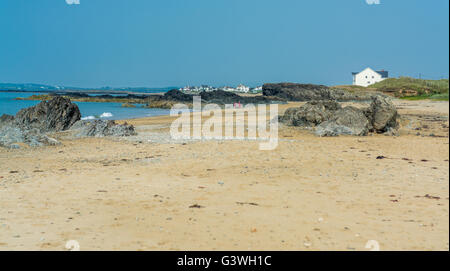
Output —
(309, 194)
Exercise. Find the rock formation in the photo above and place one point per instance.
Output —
(218, 97)
(329, 119)
(346, 121)
(31, 125)
(311, 114)
(382, 115)
(58, 114)
(101, 128)
(309, 92)
(10, 135)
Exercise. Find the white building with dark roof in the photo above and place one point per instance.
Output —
(368, 77)
(242, 88)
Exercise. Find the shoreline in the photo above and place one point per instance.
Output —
(84, 92)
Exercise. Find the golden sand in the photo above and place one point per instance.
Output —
(310, 193)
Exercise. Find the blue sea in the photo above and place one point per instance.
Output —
(107, 111)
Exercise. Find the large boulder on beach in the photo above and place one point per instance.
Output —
(58, 114)
(346, 121)
(310, 92)
(10, 136)
(32, 125)
(310, 114)
(102, 128)
(330, 119)
(382, 115)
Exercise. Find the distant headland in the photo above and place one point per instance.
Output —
(30, 87)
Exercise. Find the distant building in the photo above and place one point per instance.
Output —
(368, 77)
(189, 89)
(256, 90)
(229, 89)
(242, 88)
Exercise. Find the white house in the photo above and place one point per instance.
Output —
(368, 77)
(242, 88)
(229, 89)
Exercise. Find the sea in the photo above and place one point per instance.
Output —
(89, 110)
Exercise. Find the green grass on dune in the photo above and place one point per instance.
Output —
(435, 97)
(434, 89)
(407, 88)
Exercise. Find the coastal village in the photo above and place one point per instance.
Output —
(239, 89)
(364, 78)
(225, 134)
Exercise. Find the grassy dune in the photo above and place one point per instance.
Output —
(412, 88)
(407, 88)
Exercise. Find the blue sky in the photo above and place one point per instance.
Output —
(158, 43)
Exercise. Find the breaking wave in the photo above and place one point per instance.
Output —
(103, 115)
(106, 115)
(88, 118)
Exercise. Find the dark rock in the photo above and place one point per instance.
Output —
(58, 114)
(219, 97)
(346, 121)
(382, 115)
(225, 97)
(331, 120)
(31, 124)
(76, 94)
(176, 95)
(310, 114)
(101, 128)
(309, 92)
(296, 92)
(134, 96)
(10, 135)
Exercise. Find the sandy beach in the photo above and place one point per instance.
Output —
(149, 193)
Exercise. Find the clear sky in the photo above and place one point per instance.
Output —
(158, 43)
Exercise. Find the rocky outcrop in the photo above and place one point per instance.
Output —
(219, 97)
(309, 92)
(346, 121)
(296, 92)
(310, 114)
(101, 128)
(329, 119)
(382, 115)
(32, 125)
(10, 136)
(176, 95)
(58, 114)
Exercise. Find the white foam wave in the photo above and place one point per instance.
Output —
(88, 118)
(106, 115)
